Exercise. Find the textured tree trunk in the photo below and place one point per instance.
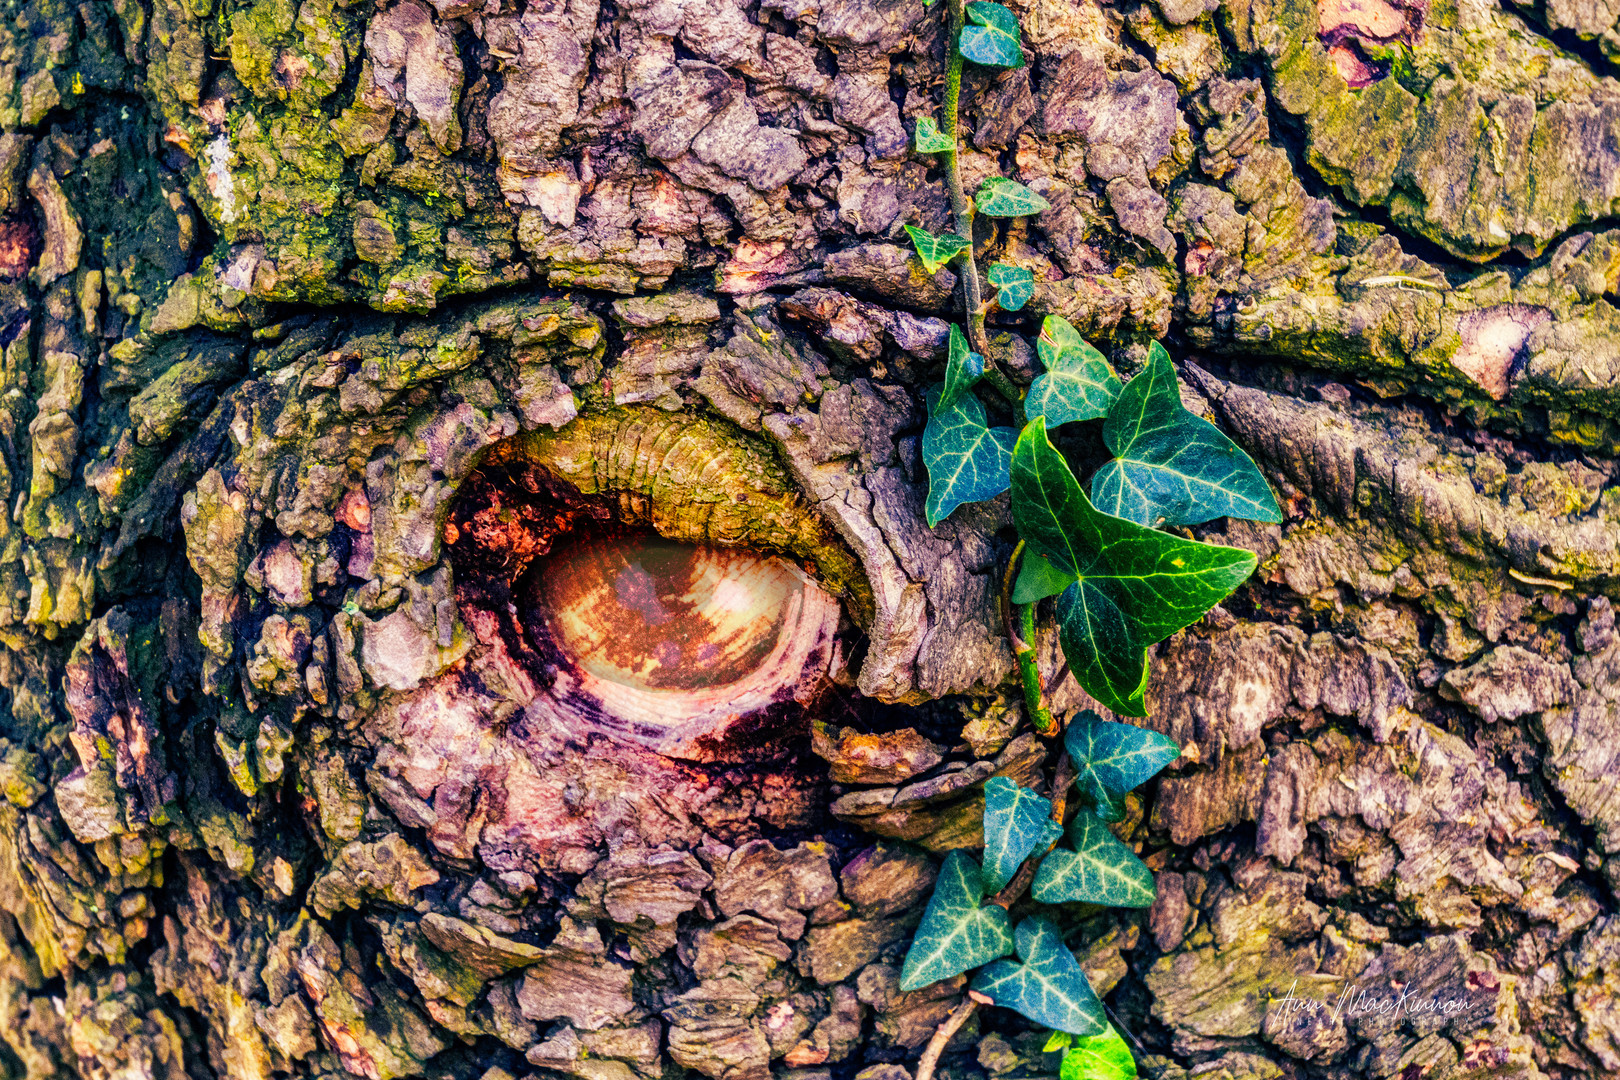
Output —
(327, 323)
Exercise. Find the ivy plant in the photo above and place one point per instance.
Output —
(1097, 556)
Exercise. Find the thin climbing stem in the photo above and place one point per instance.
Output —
(1023, 647)
(961, 205)
(936, 1046)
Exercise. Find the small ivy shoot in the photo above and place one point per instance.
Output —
(963, 368)
(1048, 986)
(1000, 197)
(967, 461)
(1133, 585)
(1014, 285)
(1099, 870)
(1017, 823)
(1118, 586)
(1099, 1057)
(935, 251)
(928, 139)
(1079, 383)
(957, 934)
(1171, 466)
(1110, 759)
(994, 40)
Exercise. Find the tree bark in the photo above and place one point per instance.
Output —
(326, 323)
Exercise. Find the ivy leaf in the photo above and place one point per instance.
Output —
(1048, 987)
(1110, 759)
(1059, 1040)
(1014, 285)
(1133, 585)
(1099, 1057)
(928, 139)
(967, 461)
(1171, 465)
(1017, 823)
(1000, 197)
(1100, 869)
(1079, 384)
(935, 251)
(994, 41)
(962, 370)
(956, 933)
(1038, 579)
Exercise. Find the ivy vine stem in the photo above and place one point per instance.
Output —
(936, 1045)
(961, 205)
(1023, 647)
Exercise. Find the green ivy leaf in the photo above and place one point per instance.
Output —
(956, 934)
(967, 461)
(935, 251)
(1014, 285)
(1038, 579)
(1048, 987)
(1100, 869)
(928, 139)
(1000, 197)
(963, 368)
(1017, 823)
(1110, 759)
(994, 41)
(1133, 585)
(1171, 465)
(1099, 1057)
(1079, 384)
(1059, 1040)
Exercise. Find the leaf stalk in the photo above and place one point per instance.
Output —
(936, 1045)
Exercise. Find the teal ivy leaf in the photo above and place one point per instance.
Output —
(1000, 197)
(1078, 384)
(1170, 465)
(935, 251)
(963, 368)
(1017, 823)
(1133, 585)
(956, 934)
(1099, 1057)
(928, 139)
(967, 461)
(1014, 285)
(1100, 869)
(1110, 759)
(1048, 987)
(994, 40)
(1038, 579)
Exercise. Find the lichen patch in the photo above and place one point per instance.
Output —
(220, 184)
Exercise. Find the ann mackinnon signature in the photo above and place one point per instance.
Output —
(1356, 1001)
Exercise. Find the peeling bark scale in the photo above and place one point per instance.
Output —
(354, 351)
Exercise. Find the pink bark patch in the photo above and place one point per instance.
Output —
(1351, 68)
(1493, 340)
(1370, 18)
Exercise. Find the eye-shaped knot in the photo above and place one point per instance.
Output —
(661, 579)
(695, 651)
